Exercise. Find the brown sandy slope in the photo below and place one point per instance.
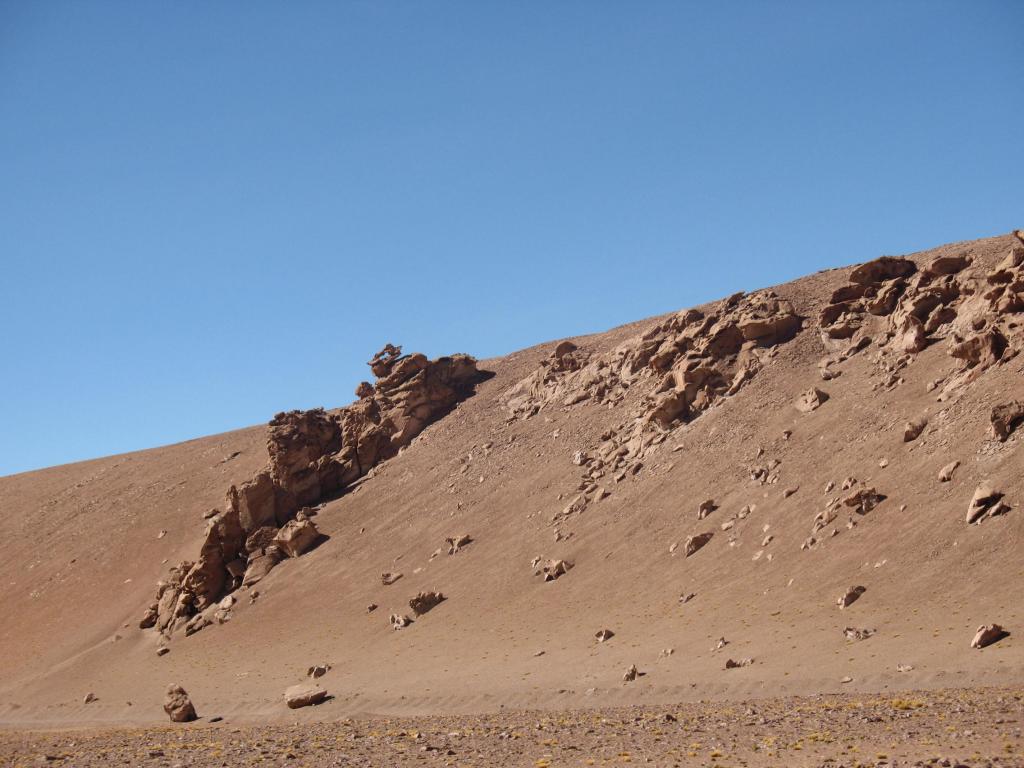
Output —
(81, 554)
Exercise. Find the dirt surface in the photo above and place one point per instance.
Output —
(943, 728)
(85, 544)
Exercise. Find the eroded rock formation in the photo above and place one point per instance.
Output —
(312, 455)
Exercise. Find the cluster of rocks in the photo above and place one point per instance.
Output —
(312, 455)
(855, 500)
(977, 311)
(683, 366)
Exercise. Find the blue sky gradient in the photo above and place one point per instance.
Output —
(211, 212)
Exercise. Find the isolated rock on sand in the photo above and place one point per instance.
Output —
(850, 596)
(705, 508)
(388, 578)
(425, 601)
(456, 543)
(856, 633)
(178, 705)
(986, 635)
(296, 536)
(695, 542)
(736, 663)
(555, 568)
(304, 695)
(399, 621)
(913, 429)
(1005, 419)
(986, 502)
(864, 500)
(946, 473)
(811, 400)
(90, 698)
(631, 674)
(318, 670)
(604, 635)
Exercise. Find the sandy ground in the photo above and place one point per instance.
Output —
(960, 727)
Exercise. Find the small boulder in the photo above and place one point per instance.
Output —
(986, 502)
(913, 429)
(604, 635)
(850, 596)
(425, 601)
(811, 400)
(1005, 419)
(178, 705)
(555, 568)
(864, 500)
(631, 674)
(695, 542)
(318, 670)
(737, 663)
(456, 543)
(946, 473)
(304, 695)
(705, 508)
(399, 621)
(296, 536)
(987, 634)
(388, 578)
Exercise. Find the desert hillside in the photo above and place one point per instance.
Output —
(815, 487)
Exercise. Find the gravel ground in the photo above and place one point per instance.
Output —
(970, 727)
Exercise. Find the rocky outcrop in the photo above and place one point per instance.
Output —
(1005, 418)
(977, 311)
(312, 455)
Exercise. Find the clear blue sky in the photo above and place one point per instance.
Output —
(213, 211)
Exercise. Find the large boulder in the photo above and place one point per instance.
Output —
(178, 705)
(304, 695)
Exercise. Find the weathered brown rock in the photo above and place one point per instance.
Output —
(850, 596)
(604, 635)
(296, 536)
(737, 663)
(913, 429)
(631, 674)
(388, 578)
(811, 400)
(856, 633)
(883, 268)
(946, 473)
(705, 508)
(695, 542)
(304, 695)
(425, 601)
(456, 543)
(987, 634)
(986, 502)
(555, 568)
(178, 705)
(864, 500)
(260, 565)
(1005, 418)
(399, 621)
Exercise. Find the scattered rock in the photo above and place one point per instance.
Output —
(371, 608)
(737, 663)
(904, 667)
(988, 634)
(456, 543)
(946, 473)
(1005, 419)
(854, 633)
(178, 705)
(705, 508)
(604, 635)
(555, 568)
(631, 674)
(986, 502)
(304, 695)
(399, 621)
(850, 596)
(695, 542)
(318, 670)
(864, 500)
(388, 578)
(425, 601)
(913, 429)
(90, 698)
(162, 650)
(811, 400)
